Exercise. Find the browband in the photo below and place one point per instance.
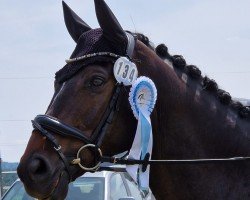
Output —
(129, 51)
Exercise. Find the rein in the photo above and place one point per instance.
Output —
(145, 162)
(65, 130)
(60, 128)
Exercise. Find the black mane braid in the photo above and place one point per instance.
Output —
(195, 73)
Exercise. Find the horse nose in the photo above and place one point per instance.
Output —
(38, 169)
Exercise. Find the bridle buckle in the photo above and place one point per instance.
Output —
(58, 148)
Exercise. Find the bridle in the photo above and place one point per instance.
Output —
(46, 124)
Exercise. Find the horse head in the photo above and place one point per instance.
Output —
(88, 107)
(90, 115)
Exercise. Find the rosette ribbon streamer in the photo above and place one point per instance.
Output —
(142, 98)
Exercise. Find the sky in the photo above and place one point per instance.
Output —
(212, 34)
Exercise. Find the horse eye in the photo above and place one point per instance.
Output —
(96, 82)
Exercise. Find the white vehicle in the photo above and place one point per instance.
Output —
(91, 186)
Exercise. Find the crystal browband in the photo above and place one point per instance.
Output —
(91, 56)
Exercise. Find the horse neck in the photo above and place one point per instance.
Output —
(190, 122)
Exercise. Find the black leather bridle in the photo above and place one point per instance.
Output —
(47, 126)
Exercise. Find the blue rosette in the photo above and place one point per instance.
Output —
(142, 98)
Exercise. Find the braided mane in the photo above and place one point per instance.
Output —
(194, 72)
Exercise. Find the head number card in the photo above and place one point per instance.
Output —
(125, 71)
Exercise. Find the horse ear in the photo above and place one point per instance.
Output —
(112, 30)
(75, 25)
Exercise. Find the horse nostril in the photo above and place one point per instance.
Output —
(37, 166)
(38, 169)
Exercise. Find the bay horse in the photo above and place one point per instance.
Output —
(192, 118)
